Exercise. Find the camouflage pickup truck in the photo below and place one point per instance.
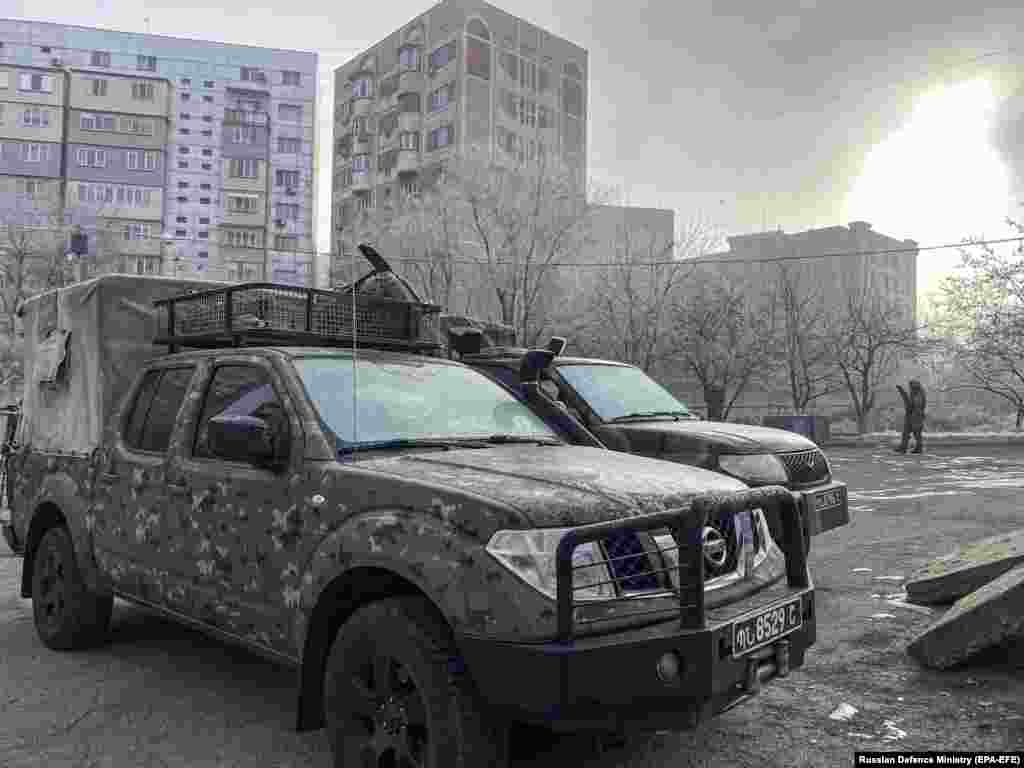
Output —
(431, 558)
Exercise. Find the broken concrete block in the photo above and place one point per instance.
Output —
(959, 573)
(988, 616)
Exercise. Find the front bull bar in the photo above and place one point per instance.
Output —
(687, 525)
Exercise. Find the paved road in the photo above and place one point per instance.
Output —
(163, 695)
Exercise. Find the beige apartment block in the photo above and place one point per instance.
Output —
(109, 92)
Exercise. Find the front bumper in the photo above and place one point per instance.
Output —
(611, 681)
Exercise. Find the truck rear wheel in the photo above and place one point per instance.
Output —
(68, 616)
(395, 695)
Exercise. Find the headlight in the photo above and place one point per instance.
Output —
(531, 556)
(758, 468)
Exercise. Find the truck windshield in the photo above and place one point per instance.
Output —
(400, 400)
(616, 391)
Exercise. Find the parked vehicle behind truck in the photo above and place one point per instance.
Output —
(432, 559)
(626, 410)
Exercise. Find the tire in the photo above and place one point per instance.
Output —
(68, 616)
(394, 686)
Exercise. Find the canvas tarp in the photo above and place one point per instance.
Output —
(83, 346)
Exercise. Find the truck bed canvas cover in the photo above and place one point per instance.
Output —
(83, 346)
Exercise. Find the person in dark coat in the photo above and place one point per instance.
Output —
(913, 416)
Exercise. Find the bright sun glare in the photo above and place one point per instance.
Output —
(937, 179)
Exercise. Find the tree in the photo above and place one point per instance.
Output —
(868, 335)
(722, 333)
(516, 221)
(803, 343)
(981, 319)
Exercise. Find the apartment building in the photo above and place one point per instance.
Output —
(175, 156)
(463, 75)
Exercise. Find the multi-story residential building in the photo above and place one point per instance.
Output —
(463, 75)
(176, 156)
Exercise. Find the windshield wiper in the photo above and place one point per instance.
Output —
(407, 442)
(507, 439)
(645, 414)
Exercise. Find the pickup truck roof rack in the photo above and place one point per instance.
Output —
(388, 315)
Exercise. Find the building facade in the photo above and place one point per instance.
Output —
(463, 75)
(179, 157)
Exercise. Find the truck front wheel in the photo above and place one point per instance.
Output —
(68, 616)
(395, 694)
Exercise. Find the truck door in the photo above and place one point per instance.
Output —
(137, 540)
(244, 517)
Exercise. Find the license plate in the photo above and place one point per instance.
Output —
(766, 627)
(826, 499)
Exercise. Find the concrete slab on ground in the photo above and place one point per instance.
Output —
(964, 570)
(989, 616)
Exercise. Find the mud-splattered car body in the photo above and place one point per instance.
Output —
(276, 557)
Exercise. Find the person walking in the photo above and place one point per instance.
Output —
(913, 416)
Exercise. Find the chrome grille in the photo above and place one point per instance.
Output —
(806, 467)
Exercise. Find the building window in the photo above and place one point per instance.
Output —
(136, 231)
(124, 196)
(440, 137)
(440, 98)
(145, 265)
(360, 163)
(409, 102)
(207, 133)
(99, 59)
(186, 82)
(207, 153)
(186, 96)
(204, 201)
(289, 113)
(146, 63)
(183, 164)
(243, 168)
(286, 211)
(207, 118)
(184, 131)
(243, 203)
(207, 83)
(143, 91)
(207, 167)
(98, 86)
(243, 238)
(288, 145)
(286, 243)
(203, 235)
(36, 83)
(439, 57)
(137, 125)
(35, 117)
(362, 88)
(364, 202)
(139, 160)
(291, 77)
(208, 99)
(241, 272)
(205, 187)
(35, 153)
(181, 233)
(182, 199)
(253, 75)
(243, 134)
(184, 116)
(30, 188)
(182, 219)
(410, 187)
(409, 57)
(183, 150)
(286, 178)
(478, 59)
(182, 185)
(528, 75)
(203, 220)
(409, 140)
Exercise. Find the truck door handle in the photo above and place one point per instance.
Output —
(177, 489)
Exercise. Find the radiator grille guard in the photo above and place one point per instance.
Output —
(274, 313)
(632, 569)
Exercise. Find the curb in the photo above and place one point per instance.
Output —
(952, 440)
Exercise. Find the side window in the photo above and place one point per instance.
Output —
(143, 400)
(163, 412)
(239, 390)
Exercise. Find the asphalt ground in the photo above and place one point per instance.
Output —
(164, 695)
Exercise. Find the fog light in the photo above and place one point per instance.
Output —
(668, 667)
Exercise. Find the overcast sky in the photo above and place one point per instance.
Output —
(739, 111)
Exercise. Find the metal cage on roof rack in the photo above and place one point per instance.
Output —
(271, 313)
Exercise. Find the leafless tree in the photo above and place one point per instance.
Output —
(869, 336)
(981, 319)
(722, 333)
(806, 355)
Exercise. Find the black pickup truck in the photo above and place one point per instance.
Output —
(432, 559)
(626, 410)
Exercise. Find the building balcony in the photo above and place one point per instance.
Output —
(411, 80)
(256, 218)
(408, 161)
(409, 121)
(361, 106)
(244, 117)
(361, 182)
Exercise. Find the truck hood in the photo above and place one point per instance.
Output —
(723, 437)
(560, 485)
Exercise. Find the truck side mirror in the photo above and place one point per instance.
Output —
(242, 438)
